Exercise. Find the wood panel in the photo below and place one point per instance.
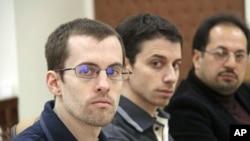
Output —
(8, 115)
(247, 78)
(185, 14)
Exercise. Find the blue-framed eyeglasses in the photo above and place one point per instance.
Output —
(90, 71)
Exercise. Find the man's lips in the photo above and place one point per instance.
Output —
(228, 75)
(102, 103)
(167, 93)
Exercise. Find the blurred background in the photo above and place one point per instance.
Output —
(26, 24)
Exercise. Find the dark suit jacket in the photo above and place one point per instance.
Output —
(196, 115)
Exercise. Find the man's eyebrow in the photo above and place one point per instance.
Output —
(221, 47)
(87, 63)
(94, 64)
(178, 60)
(163, 57)
(241, 51)
(159, 56)
(115, 64)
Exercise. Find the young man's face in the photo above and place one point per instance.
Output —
(222, 67)
(92, 101)
(155, 72)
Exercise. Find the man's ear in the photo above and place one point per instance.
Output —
(196, 58)
(127, 64)
(53, 82)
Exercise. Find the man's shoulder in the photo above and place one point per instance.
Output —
(190, 96)
(244, 88)
(111, 129)
(186, 92)
(33, 133)
(116, 126)
(119, 129)
(114, 132)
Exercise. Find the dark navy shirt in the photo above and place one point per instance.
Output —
(49, 128)
(131, 123)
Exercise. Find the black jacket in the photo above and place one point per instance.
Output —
(196, 115)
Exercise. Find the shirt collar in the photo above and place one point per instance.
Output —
(136, 116)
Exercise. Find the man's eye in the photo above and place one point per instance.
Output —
(85, 70)
(113, 71)
(156, 64)
(240, 56)
(221, 53)
(177, 66)
(110, 71)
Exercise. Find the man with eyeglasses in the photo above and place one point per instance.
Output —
(153, 53)
(85, 60)
(214, 95)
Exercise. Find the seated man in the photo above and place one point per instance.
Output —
(213, 96)
(85, 60)
(153, 53)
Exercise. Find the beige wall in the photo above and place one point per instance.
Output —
(8, 53)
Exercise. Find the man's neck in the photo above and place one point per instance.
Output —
(139, 101)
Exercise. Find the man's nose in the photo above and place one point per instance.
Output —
(171, 75)
(230, 61)
(103, 82)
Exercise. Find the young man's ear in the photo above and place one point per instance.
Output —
(127, 64)
(53, 83)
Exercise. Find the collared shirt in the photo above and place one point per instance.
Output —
(161, 130)
(49, 128)
(131, 123)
